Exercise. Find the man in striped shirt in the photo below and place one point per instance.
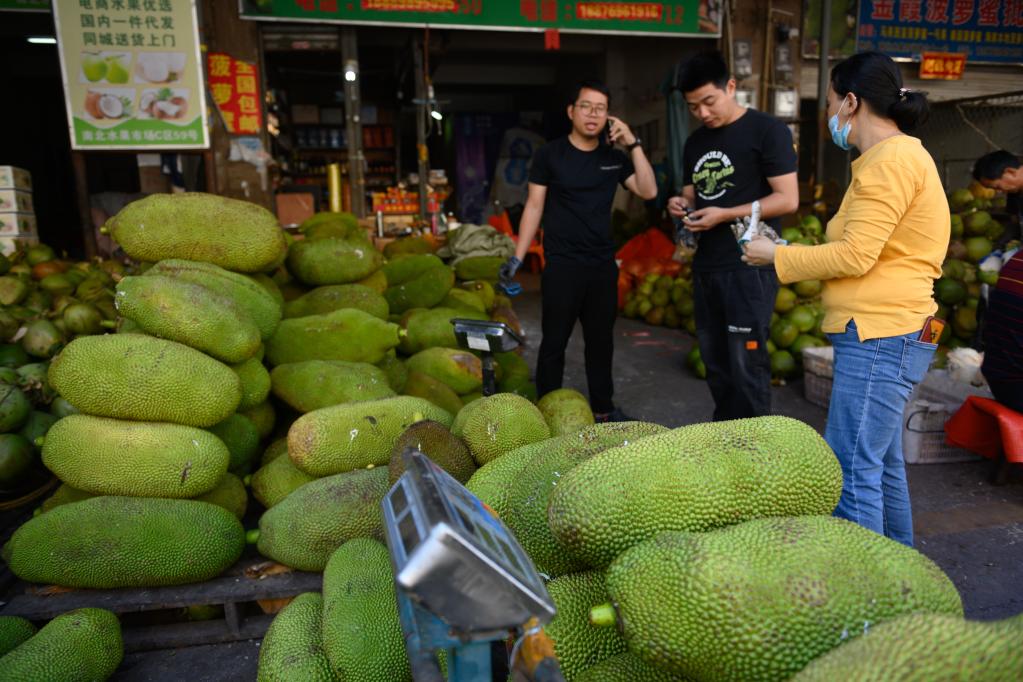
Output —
(1003, 335)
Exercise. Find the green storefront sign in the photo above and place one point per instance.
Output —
(686, 18)
(25, 5)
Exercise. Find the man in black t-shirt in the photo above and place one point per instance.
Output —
(572, 184)
(739, 156)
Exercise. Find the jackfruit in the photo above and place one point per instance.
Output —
(530, 490)
(425, 291)
(432, 328)
(274, 450)
(143, 459)
(436, 442)
(84, 644)
(111, 541)
(760, 600)
(694, 478)
(277, 479)
(330, 260)
(327, 299)
(459, 369)
(377, 282)
(328, 224)
(255, 383)
(479, 267)
(483, 289)
(395, 370)
(626, 667)
(247, 293)
(305, 528)
(424, 386)
(269, 286)
(471, 397)
(292, 649)
(498, 424)
(925, 646)
(64, 494)
(347, 334)
(263, 417)
(491, 483)
(401, 270)
(506, 314)
(132, 376)
(565, 411)
(513, 370)
(190, 314)
(13, 631)
(463, 300)
(353, 436)
(361, 631)
(411, 246)
(578, 644)
(242, 440)
(230, 494)
(236, 235)
(310, 385)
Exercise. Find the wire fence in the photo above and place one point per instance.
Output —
(957, 132)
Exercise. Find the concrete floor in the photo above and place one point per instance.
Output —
(972, 529)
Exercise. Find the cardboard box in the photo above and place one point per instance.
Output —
(12, 177)
(16, 200)
(14, 223)
(9, 245)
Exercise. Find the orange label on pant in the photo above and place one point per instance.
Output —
(751, 345)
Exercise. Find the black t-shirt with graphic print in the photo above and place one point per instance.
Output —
(580, 188)
(730, 166)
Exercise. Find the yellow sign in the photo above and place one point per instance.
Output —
(947, 66)
(132, 74)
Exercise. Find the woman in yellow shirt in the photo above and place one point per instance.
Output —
(884, 250)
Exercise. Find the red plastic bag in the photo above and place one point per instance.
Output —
(650, 244)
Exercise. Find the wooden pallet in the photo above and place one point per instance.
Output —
(247, 581)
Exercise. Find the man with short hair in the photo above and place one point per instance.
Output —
(1002, 171)
(737, 157)
(572, 183)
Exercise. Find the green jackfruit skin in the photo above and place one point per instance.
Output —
(263, 417)
(483, 289)
(424, 386)
(485, 268)
(928, 647)
(316, 262)
(565, 411)
(498, 424)
(412, 246)
(307, 526)
(310, 385)
(84, 644)
(269, 286)
(432, 328)
(230, 494)
(274, 450)
(396, 371)
(694, 478)
(377, 282)
(459, 369)
(242, 440)
(190, 314)
(471, 397)
(142, 459)
(292, 649)
(126, 542)
(138, 377)
(236, 235)
(255, 383)
(352, 436)
(327, 299)
(247, 292)
(425, 291)
(491, 483)
(342, 224)
(578, 644)
(530, 491)
(626, 667)
(64, 494)
(13, 631)
(684, 600)
(405, 269)
(348, 334)
(436, 442)
(361, 631)
(277, 479)
(464, 301)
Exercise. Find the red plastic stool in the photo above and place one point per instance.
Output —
(990, 429)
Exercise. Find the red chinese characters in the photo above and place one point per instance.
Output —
(234, 86)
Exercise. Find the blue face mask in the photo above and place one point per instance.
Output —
(840, 136)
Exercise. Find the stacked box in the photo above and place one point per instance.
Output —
(17, 212)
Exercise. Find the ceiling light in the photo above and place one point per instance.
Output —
(436, 114)
(42, 40)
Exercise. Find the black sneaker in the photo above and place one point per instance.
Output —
(615, 415)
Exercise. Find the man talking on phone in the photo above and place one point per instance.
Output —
(572, 184)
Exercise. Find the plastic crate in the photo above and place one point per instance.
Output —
(818, 374)
(923, 434)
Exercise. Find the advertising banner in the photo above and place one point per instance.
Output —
(234, 85)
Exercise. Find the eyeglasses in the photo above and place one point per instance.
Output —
(591, 108)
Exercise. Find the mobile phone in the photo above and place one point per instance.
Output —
(606, 134)
(932, 330)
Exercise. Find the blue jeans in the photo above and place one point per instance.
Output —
(873, 382)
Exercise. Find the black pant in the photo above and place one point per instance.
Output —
(588, 293)
(1008, 393)
(733, 319)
